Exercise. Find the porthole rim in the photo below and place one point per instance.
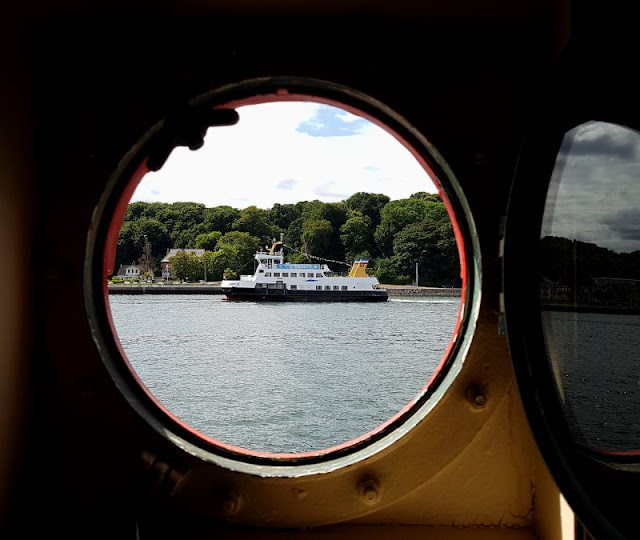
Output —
(324, 460)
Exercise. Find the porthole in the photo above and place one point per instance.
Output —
(296, 386)
(572, 311)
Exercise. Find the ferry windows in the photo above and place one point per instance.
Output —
(318, 287)
(276, 274)
(589, 284)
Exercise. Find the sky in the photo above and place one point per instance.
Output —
(284, 153)
(595, 191)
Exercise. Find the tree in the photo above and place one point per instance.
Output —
(398, 214)
(207, 241)
(255, 221)
(131, 240)
(283, 215)
(293, 236)
(209, 265)
(431, 244)
(238, 249)
(423, 195)
(147, 262)
(220, 218)
(186, 266)
(356, 235)
(369, 204)
(316, 235)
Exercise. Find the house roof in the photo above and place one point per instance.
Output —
(174, 251)
(122, 271)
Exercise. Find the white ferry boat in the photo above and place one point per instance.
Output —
(275, 280)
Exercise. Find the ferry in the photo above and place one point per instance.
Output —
(275, 280)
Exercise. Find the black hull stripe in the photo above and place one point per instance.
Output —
(284, 295)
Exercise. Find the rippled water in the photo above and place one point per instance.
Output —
(595, 357)
(289, 377)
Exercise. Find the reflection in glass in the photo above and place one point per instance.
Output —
(589, 284)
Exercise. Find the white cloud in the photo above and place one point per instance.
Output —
(265, 159)
(593, 196)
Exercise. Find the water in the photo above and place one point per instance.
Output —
(595, 360)
(290, 377)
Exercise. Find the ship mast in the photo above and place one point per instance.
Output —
(274, 244)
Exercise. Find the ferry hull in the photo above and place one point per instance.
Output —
(285, 295)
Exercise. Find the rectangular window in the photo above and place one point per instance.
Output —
(327, 287)
(267, 274)
(344, 287)
(276, 274)
(293, 287)
(302, 274)
(318, 287)
(318, 275)
(293, 274)
(336, 287)
(285, 274)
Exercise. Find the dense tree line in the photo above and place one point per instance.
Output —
(577, 263)
(395, 235)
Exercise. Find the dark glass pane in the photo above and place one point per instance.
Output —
(589, 284)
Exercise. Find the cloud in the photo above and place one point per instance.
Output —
(594, 192)
(287, 184)
(287, 152)
(332, 122)
(327, 191)
(600, 138)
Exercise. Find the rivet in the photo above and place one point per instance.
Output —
(369, 490)
(480, 400)
(476, 397)
(231, 505)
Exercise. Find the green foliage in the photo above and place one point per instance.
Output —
(368, 204)
(431, 244)
(237, 250)
(398, 214)
(117, 279)
(220, 218)
(298, 258)
(283, 215)
(316, 235)
(365, 224)
(356, 235)
(186, 266)
(255, 222)
(387, 273)
(423, 195)
(230, 274)
(207, 240)
(131, 239)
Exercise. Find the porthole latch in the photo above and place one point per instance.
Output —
(187, 128)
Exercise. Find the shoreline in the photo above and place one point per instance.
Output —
(200, 288)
